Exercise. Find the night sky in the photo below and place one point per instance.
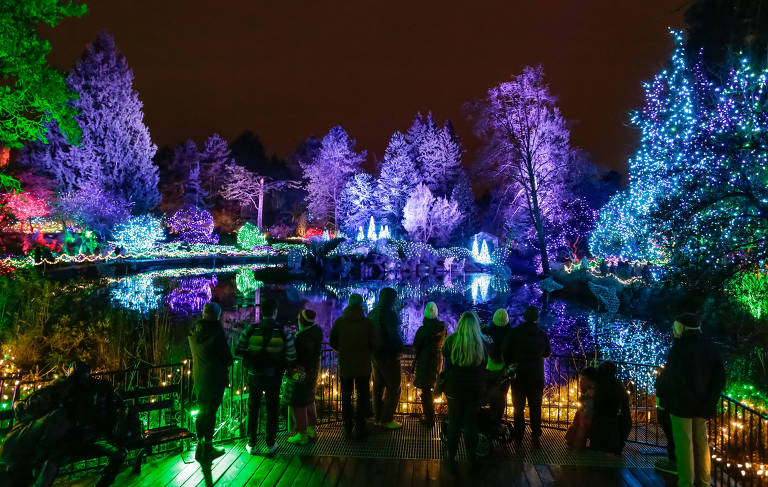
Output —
(287, 69)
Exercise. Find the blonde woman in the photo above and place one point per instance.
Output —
(465, 356)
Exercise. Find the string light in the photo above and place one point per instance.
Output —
(140, 233)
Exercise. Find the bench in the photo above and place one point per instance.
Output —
(167, 428)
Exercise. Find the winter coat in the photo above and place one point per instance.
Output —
(428, 345)
(496, 336)
(691, 381)
(308, 346)
(266, 348)
(211, 359)
(353, 336)
(387, 323)
(612, 420)
(463, 382)
(526, 346)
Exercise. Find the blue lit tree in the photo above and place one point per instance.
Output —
(396, 179)
(358, 202)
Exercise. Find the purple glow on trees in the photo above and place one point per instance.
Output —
(328, 172)
(358, 202)
(214, 159)
(396, 179)
(427, 217)
(527, 145)
(116, 150)
(193, 225)
(249, 188)
(93, 206)
(440, 159)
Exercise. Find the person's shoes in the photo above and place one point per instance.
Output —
(299, 439)
(200, 452)
(251, 449)
(214, 453)
(393, 425)
(271, 450)
(667, 466)
(536, 440)
(311, 433)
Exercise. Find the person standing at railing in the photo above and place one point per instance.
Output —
(386, 359)
(211, 358)
(495, 335)
(465, 355)
(689, 387)
(308, 341)
(267, 349)
(428, 345)
(353, 336)
(525, 349)
(612, 420)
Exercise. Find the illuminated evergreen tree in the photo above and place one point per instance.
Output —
(358, 202)
(396, 179)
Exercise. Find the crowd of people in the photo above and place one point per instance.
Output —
(80, 415)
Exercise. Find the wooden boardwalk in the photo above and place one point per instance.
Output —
(394, 459)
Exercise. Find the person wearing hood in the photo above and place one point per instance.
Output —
(386, 360)
(525, 348)
(308, 342)
(353, 336)
(428, 345)
(495, 335)
(211, 358)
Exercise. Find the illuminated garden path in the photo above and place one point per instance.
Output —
(396, 459)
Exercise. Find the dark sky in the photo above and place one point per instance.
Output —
(287, 69)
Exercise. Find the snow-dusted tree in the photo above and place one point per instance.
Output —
(327, 173)
(249, 188)
(116, 150)
(527, 145)
(396, 179)
(214, 159)
(358, 202)
(465, 200)
(428, 217)
(421, 127)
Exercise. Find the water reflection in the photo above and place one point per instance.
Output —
(191, 294)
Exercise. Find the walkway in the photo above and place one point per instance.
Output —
(406, 458)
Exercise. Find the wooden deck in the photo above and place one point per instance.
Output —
(408, 457)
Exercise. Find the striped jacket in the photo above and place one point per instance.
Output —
(266, 348)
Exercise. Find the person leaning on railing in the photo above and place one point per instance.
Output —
(688, 387)
(428, 360)
(386, 359)
(267, 349)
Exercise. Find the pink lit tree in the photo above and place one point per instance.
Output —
(527, 146)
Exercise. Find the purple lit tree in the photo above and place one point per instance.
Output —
(193, 225)
(427, 217)
(358, 202)
(93, 206)
(396, 179)
(194, 195)
(328, 172)
(527, 146)
(214, 159)
(116, 150)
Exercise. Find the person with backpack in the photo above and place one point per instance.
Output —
(308, 341)
(611, 418)
(428, 346)
(267, 349)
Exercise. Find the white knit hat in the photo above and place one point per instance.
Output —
(430, 310)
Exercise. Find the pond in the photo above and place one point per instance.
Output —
(572, 326)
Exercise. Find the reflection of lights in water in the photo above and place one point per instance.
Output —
(191, 295)
(245, 281)
(479, 287)
(140, 294)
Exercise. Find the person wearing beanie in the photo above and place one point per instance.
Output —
(688, 388)
(211, 359)
(495, 334)
(353, 336)
(308, 341)
(267, 350)
(524, 349)
(428, 345)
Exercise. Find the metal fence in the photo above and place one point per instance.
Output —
(738, 434)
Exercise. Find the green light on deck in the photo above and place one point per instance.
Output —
(193, 412)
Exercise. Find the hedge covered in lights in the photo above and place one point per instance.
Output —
(139, 233)
(249, 236)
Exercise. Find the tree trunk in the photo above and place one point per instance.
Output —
(261, 205)
(537, 220)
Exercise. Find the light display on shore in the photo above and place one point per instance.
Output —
(249, 236)
(481, 255)
(140, 233)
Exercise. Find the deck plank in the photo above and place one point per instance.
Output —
(406, 474)
(322, 465)
(277, 471)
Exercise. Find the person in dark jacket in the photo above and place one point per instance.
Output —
(428, 345)
(525, 349)
(353, 336)
(308, 341)
(689, 387)
(464, 355)
(611, 420)
(267, 349)
(211, 358)
(495, 335)
(386, 359)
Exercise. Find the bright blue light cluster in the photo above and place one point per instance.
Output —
(139, 233)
